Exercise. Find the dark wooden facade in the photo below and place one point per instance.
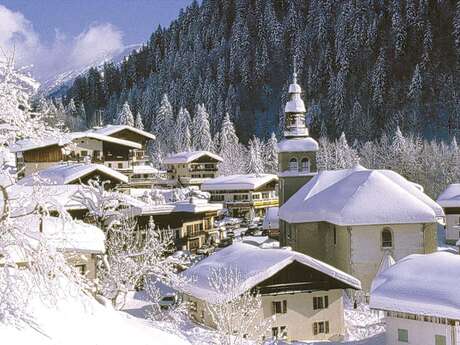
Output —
(127, 134)
(43, 154)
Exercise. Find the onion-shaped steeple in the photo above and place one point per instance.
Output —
(294, 119)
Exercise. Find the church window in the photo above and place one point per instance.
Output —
(293, 164)
(304, 165)
(387, 238)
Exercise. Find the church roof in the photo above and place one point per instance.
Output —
(359, 196)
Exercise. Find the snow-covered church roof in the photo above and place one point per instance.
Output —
(189, 156)
(359, 196)
(420, 284)
(302, 144)
(238, 182)
(67, 173)
(254, 266)
(450, 197)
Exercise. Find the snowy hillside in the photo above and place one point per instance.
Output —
(63, 80)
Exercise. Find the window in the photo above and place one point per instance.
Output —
(304, 165)
(279, 332)
(120, 165)
(84, 153)
(387, 238)
(81, 269)
(293, 164)
(110, 165)
(279, 307)
(321, 302)
(440, 339)
(321, 327)
(403, 335)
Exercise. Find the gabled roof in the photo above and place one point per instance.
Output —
(112, 129)
(254, 265)
(359, 196)
(189, 156)
(238, 182)
(451, 196)
(67, 173)
(272, 218)
(420, 284)
(67, 138)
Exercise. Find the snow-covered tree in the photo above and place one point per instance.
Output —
(182, 139)
(125, 116)
(236, 316)
(255, 163)
(201, 131)
(230, 149)
(164, 122)
(270, 155)
(138, 122)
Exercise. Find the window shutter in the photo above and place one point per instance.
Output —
(273, 308)
(315, 328)
(327, 327)
(326, 301)
(315, 303)
(284, 307)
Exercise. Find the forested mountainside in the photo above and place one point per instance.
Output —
(366, 66)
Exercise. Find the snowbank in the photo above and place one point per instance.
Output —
(420, 284)
(359, 196)
(77, 319)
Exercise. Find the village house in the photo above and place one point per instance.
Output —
(244, 196)
(420, 298)
(191, 220)
(191, 168)
(304, 294)
(121, 148)
(75, 173)
(450, 202)
(80, 243)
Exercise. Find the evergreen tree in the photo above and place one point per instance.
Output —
(201, 132)
(125, 116)
(163, 125)
(183, 137)
(231, 151)
(255, 160)
(270, 155)
(138, 122)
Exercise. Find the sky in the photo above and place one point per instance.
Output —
(57, 35)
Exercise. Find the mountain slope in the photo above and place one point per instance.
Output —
(365, 66)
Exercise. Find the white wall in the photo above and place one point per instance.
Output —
(451, 221)
(367, 252)
(420, 333)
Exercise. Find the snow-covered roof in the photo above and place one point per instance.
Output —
(271, 219)
(295, 105)
(62, 234)
(238, 182)
(254, 265)
(67, 138)
(420, 284)
(261, 241)
(189, 156)
(112, 129)
(359, 196)
(144, 169)
(67, 173)
(450, 197)
(307, 144)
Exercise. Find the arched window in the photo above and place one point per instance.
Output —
(305, 165)
(293, 164)
(387, 238)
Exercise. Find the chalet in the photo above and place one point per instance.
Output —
(304, 294)
(81, 243)
(450, 202)
(244, 196)
(191, 220)
(420, 298)
(76, 173)
(191, 168)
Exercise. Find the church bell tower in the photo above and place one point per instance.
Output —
(297, 150)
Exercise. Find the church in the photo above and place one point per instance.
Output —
(351, 218)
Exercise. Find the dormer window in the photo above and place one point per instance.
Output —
(305, 165)
(293, 164)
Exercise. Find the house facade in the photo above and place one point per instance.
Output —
(450, 202)
(191, 168)
(302, 294)
(244, 196)
(418, 301)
